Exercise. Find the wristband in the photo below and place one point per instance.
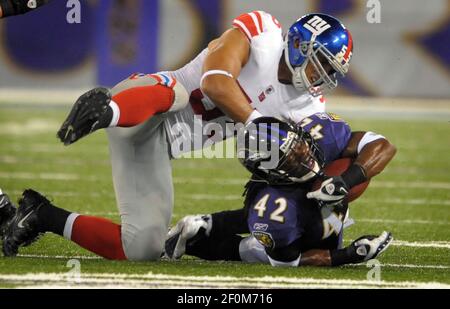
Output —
(354, 176)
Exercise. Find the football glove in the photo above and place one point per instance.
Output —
(332, 191)
(369, 247)
(363, 249)
(17, 7)
(187, 230)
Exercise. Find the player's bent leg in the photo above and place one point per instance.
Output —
(142, 179)
(36, 215)
(130, 103)
(140, 97)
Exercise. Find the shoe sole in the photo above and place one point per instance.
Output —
(386, 245)
(81, 113)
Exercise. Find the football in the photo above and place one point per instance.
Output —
(336, 168)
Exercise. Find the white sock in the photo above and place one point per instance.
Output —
(116, 114)
(69, 225)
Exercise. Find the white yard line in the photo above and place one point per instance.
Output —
(416, 266)
(411, 202)
(59, 257)
(393, 221)
(216, 181)
(151, 280)
(216, 197)
(68, 257)
(29, 127)
(420, 244)
(46, 176)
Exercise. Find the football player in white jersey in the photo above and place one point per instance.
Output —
(18, 7)
(250, 71)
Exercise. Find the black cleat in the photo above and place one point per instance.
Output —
(7, 212)
(24, 227)
(88, 114)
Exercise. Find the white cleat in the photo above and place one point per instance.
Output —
(184, 231)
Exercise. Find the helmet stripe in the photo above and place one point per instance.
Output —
(350, 45)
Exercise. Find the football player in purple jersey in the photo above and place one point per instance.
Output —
(290, 223)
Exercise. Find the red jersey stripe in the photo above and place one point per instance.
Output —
(236, 25)
(248, 22)
(258, 16)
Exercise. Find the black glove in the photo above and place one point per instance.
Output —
(17, 7)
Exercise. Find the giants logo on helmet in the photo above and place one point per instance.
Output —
(317, 25)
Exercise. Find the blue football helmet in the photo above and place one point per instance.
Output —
(279, 153)
(323, 42)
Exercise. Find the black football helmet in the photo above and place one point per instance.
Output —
(279, 153)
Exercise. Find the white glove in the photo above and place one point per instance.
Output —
(185, 230)
(369, 247)
(332, 190)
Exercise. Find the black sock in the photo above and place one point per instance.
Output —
(229, 223)
(344, 256)
(213, 249)
(53, 219)
(105, 119)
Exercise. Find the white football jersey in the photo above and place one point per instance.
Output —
(258, 81)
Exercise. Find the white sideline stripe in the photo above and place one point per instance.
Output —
(178, 281)
(416, 201)
(375, 184)
(214, 181)
(55, 149)
(175, 215)
(46, 176)
(13, 160)
(29, 127)
(67, 257)
(416, 266)
(215, 197)
(410, 185)
(418, 244)
(59, 257)
(393, 221)
(415, 244)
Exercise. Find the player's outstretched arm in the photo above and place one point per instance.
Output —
(17, 7)
(363, 249)
(227, 55)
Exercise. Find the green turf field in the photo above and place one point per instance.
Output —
(411, 199)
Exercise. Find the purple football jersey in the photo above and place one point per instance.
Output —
(330, 132)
